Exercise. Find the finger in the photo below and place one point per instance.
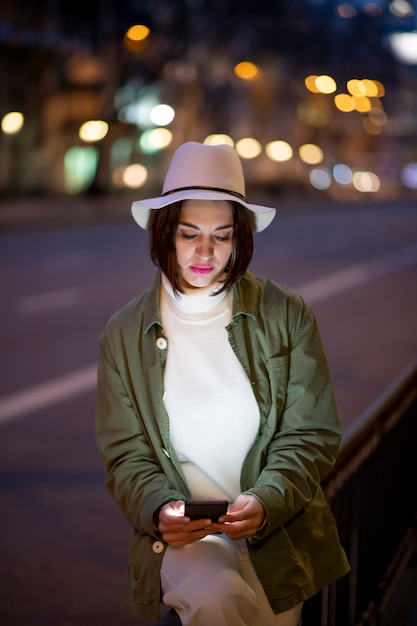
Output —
(182, 539)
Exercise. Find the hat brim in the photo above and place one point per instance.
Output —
(141, 209)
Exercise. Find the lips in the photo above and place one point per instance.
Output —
(201, 269)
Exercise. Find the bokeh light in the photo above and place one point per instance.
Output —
(246, 70)
(139, 109)
(362, 103)
(310, 153)
(80, 167)
(344, 102)
(155, 139)
(279, 151)
(366, 182)
(320, 178)
(310, 83)
(248, 148)
(342, 174)
(135, 175)
(404, 47)
(345, 10)
(326, 84)
(218, 139)
(12, 122)
(136, 37)
(93, 130)
(401, 8)
(138, 32)
(370, 127)
(162, 115)
(409, 175)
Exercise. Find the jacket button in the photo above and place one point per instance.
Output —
(161, 343)
(158, 547)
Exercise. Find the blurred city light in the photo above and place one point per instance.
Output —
(138, 32)
(325, 84)
(80, 167)
(121, 152)
(409, 175)
(218, 139)
(279, 151)
(366, 182)
(155, 139)
(345, 10)
(93, 130)
(162, 115)
(310, 83)
(342, 174)
(404, 46)
(137, 105)
(12, 122)
(150, 69)
(370, 126)
(372, 8)
(362, 103)
(401, 8)
(344, 102)
(135, 175)
(136, 37)
(246, 70)
(378, 117)
(320, 178)
(371, 88)
(310, 153)
(248, 148)
(356, 87)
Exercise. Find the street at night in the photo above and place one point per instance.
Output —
(317, 101)
(63, 541)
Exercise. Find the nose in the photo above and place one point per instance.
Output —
(204, 250)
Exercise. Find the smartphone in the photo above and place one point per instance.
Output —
(205, 509)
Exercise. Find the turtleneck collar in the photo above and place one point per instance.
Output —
(198, 302)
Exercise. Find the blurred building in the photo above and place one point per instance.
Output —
(314, 94)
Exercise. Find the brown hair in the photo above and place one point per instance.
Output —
(163, 229)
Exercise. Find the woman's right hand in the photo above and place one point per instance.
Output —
(177, 530)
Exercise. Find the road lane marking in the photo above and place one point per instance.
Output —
(49, 393)
(50, 301)
(357, 275)
(42, 396)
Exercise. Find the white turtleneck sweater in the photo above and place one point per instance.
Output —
(212, 410)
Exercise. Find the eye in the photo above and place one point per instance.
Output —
(187, 236)
(222, 239)
(222, 236)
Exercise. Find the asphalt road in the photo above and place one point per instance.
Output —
(63, 543)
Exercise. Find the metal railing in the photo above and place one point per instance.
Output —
(372, 492)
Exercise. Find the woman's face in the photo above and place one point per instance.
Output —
(204, 242)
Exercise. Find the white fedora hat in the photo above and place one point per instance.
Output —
(201, 172)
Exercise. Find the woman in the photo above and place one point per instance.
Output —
(214, 384)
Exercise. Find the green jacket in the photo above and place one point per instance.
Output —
(275, 337)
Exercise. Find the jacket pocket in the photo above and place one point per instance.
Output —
(144, 569)
(278, 371)
(280, 568)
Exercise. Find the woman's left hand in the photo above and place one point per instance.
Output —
(244, 517)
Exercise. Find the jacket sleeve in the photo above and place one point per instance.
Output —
(305, 426)
(134, 475)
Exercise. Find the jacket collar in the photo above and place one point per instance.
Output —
(152, 305)
(245, 300)
(246, 296)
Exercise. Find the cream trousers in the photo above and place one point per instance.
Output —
(212, 581)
